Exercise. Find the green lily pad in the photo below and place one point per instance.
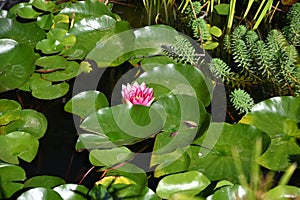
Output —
(93, 141)
(234, 192)
(51, 92)
(10, 179)
(279, 117)
(9, 105)
(209, 45)
(283, 192)
(29, 121)
(110, 157)
(24, 33)
(72, 191)
(178, 79)
(170, 163)
(149, 39)
(16, 64)
(42, 193)
(145, 194)
(25, 10)
(216, 31)
(124, 124)
(88, 32)
(214, 157)
(85, 103)
(44, 181)
(57, 40)
(189, 183)
(44, 5)
(114, 50)
(18, 144)
(85, 9)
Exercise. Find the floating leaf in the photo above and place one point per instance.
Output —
(24, 33)
(44, 5)
(93, 141)
(216, 31)
(110, 157)
(214, 158)
(44, 181)
(18, 144)
(25, 10)
(279, 117)
(209, 45)
(16, 64)
(85, 9)
(85, 103)
(234, 192)
(9, 105)
(26, 120)
(189, 183)
(10, 179)
(41, 193)
(283, 192)
(124, 124)
(51, 92)
(178, 79)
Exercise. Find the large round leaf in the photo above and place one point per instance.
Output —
(178, 79)
(18, 144)
(9, 105)
(185, 120)
(10, 179)
(214, 156)
(16, 64)
(188, 183)
(26, 120)
(279, 117)
(124, 124)
(40, 193)
(283, 192)
(51, 91)
(44, 181)
(110, 157)
(234, 192)
(24, 33)
(149, 39)
(114, 50)
(84, 9)
(93, 141)
(85, 103)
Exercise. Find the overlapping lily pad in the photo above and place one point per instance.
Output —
(279, 117)
(215, 157)
(17, 64)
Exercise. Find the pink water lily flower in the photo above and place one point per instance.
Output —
(137, 94)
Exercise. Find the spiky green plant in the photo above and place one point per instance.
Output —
(292, 28)
(241, 100)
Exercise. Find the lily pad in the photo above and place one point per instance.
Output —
(85, 103)
(283, 192)
(84, 9)
(214, 156)
(24, 33)
(110, 157)
(44, 181)
(189, 183)
(51, 92)
(18, 144)
(178, 79)
(234, 192)
(25, 10)
(93, 141)
(9, 105)
(42, 193)
(124, 124)
(279, 117)
(29, 121)
(17, 64)
(10, 179)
